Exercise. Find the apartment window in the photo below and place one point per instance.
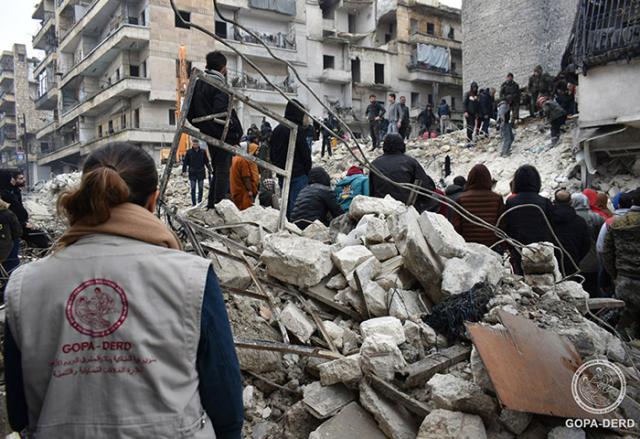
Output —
(221, 29)
(186, 16)
(134, 71)
(21, 57)
(378, 72)
(328, 62)
(431, 28)
(172, 116)
(413, 25)
(351, 24)
(118, 74)
(99, 130)
(111, 127)
(144, 68)
(452, 33)
(415, 99)
(453, 103)
(143, 18)
(329, 12)
(123, 121)
(453, 67)
(134, 21)
(136, 118)
(355, 70)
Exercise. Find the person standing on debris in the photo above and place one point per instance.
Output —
(572, 231)
(621, 258)
(394, 115)
(405, 127)
(10, 232)
(540, 84)
(245, 177)
(527, 224)
(510, 92)
(401, 168)
(486, 110)
(196, 161)
(589, 265)
(478, 199)
(471, 105)
(427, 120)
(555, 115)
(206, 101)
(11, 185)
(326, 136)
(294, 112)
(119, 292)
(506, 130)
(444, 113)
(374, 114)
(355, 183)
(316, 201)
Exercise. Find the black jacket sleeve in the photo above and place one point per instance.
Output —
(332, 204)
(17, 412)
(186, 161)
(303, 153)
(14, 226)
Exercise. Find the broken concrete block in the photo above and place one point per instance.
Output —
(352, 422)
(335, 332)
(266, 217)
(384, 251)
(381, 356)
(247, 397)
(515, 422)
(404, 304)
(337, 282)
(325, 401)
(230, 272)
(389, 326)
(297, 322)
(453, 393)
(479, 372)
(419, 258)
(349, 258)
(446, 424)
(441, 236)
(350, 342)
(571, 291)
(299, 261)
(362, 205)
(566, 433)
(374, 229)
(412, 332)
(393, 419)
(540, 280)
(353, 298)
(401, 279)
(375, 298)
(259, 361)
(317, 231)
(461, 274)
(539, 258)
(345, 370)
(366, 272)
(231, 215)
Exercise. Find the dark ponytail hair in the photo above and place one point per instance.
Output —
(115, 174)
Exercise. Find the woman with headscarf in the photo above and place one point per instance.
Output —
(589, 265)
(598, 203)
(479, 200)
(245, 177)
(527, 224)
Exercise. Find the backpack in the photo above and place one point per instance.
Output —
(348, 188)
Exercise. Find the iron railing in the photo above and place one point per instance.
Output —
(243, 80)
(606, 30)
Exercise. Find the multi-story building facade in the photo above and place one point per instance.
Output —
(19, 119)
(109, 71)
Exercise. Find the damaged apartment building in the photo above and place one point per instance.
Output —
(110, 66)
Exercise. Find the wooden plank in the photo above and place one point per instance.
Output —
(418, 373)
(390, 392)
(276, 346)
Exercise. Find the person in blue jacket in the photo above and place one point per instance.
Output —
(355, 183)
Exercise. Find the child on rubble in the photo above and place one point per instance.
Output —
(136, 341)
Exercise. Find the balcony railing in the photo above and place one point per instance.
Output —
(256, 82)
(279, 40)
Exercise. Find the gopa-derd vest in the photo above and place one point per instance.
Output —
(108, 329)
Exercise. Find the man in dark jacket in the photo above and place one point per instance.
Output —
(405, 128)
(301, 155)
(444, 113)
(427, 120)
(375, 112)
(10, 232)
(556, 116)
(316, 201)
(208, 100)
(510, 92)
(572, 231)
(486, 110)
(527, 224)
(401, 168)
(196, 162)
(540, 84)
(471, 105)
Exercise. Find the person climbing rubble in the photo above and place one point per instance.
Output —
(136, 341)
(471, 105)
(427, 120)
(208, 100)
(506, 129)
(540, 84)
(245, 177)
(197, 163)
(510, 92)
(572, 231)
(555, 115)
(374, 114)
(316, 201)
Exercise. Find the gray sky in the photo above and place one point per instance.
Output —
(16, 25)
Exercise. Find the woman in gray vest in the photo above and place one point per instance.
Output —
(118, 333)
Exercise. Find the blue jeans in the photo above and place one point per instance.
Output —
(485, 125)
(297, 184)
(199, 184)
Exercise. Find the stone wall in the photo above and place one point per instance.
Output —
(504, 36)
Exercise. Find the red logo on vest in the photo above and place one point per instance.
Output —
(98, 307)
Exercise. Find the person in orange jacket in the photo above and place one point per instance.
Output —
(245, 178)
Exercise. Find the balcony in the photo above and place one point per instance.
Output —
(281, 44)
(7, 121)
(46, 35)
(62, 152)
(49, 128)
(7, 102)
(48, 59)
(97, 15)
(6, 78)
(420, 37)
(419, 72)
(333, 76)
(48, 98)
(8, 143)
(127, 36)
(351, 5)
(99, 101)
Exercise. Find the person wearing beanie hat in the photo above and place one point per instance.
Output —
(355, 183)
(401, 168)
(316, 201)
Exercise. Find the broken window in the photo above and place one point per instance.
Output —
(453, 103)
(133, 20)
(452, 33)
(221, 29)
(378, 71)
(355, 70)
(134, 71)
(144, 68)
(111, 127)
(431, 28)
(136, 118)
(117, 74)
(453, 67)
(415, 99)
(413, 26)
(352, 24)
(123, 121)
(186, 16)
(99, 130)
(328, 62)
(172, 116)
